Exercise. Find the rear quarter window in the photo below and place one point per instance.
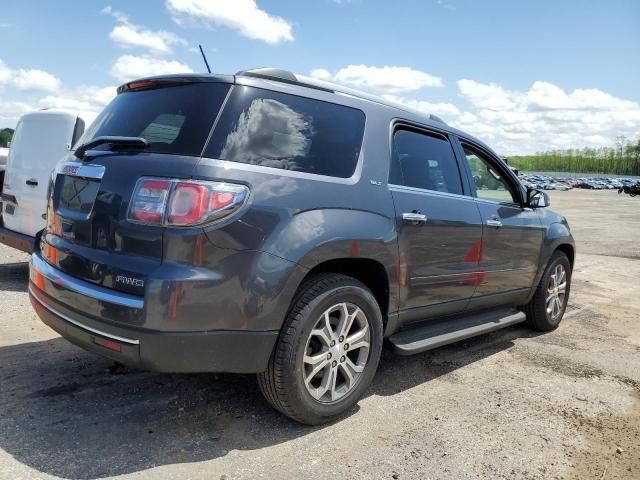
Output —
(278, 130)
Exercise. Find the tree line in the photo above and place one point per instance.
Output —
(5, 136)
(621, 159)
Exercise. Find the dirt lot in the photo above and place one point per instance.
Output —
(513, 404)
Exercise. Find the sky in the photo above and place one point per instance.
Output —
(523, 76)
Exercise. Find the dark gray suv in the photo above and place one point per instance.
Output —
(273, 224)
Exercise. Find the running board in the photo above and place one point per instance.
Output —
(436, 334)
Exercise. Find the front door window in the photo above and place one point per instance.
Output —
(490, 185)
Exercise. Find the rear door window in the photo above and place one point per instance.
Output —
(174, 119)
(278, 130)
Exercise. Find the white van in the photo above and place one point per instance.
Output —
(41, 139)
(4, 153)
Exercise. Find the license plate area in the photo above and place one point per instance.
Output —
(77, 196)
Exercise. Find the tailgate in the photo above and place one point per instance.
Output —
(88, 235)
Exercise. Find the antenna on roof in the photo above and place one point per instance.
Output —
(204, 57)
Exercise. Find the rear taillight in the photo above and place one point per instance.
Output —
(149, 200)
(184, 203)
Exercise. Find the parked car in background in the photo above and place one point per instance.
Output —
(40, 139)
(268, 223)
(547, 182)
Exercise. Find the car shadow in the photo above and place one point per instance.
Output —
(14, 277)
(67, 413)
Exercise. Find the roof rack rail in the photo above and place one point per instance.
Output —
(267, 72)
(280, 76)
(286, 76)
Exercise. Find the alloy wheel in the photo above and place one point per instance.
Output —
(556, 292)
(336, 352)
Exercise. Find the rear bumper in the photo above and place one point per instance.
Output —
(208, 351)
(16, 240)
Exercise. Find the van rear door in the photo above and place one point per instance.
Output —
(40, 140)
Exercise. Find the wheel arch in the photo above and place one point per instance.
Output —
(368, 271)
(558, 238)
(569, 250)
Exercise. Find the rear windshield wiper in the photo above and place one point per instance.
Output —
(137, 142)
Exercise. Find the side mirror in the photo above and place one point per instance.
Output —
(537, 198)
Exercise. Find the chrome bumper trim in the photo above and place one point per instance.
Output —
(84, 288)
(82, 325)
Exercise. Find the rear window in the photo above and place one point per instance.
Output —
(277, 130)
(173, 119)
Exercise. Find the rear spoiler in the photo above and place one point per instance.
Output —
(172, 80)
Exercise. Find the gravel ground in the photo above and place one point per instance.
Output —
(513, 404)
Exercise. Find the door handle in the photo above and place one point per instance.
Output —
(415, 218)
(32, 182)
(494, 223)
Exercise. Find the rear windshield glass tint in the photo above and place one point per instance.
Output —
(277, 130)
(173, 119)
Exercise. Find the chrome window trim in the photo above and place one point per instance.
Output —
(496, 202)
(84, 288)
(394, 187)
(82, 325)
(228, 164)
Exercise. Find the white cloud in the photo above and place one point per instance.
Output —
(130, 35)
(490, 96)
(445, 110)
(86, 101)
(243, 16)
(28, 80)
(545, 117)
(546, 96)
(24, 88)
(11, 111)
(390, 79)
(321, 74)
(87, 98)
(5, 25)
(130, 67)
(34, 79)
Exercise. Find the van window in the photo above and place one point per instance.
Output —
(425, 161)
(174, 119)
(78, 130)
(278, 130)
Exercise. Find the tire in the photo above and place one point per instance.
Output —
(323, 304)
(539, 315)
